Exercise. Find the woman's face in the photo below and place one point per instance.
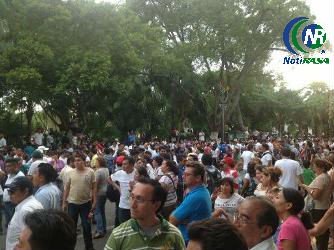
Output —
(259, 176)
(164, 167)
(280, 203)
(140, 163)
(155, 164)
(265, 179)
(225, 188)
(136, 176)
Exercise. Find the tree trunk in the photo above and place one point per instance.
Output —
(29, 114)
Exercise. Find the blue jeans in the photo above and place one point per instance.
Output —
(100, 215)
(74, 210)
(9, 209)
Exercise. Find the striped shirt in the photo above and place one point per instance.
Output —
(129, 235)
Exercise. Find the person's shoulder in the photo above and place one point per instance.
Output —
(124, 229)
(169, 228)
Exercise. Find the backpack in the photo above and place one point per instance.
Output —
(113, 195)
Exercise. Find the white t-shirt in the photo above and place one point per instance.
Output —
(229, 205)
(290, 172)
(3, 142)
(38, 137)
(124, 179)
(266, 158)
(9, 180)
(34, 165)
(247, 156)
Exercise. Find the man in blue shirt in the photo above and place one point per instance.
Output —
(197, 203)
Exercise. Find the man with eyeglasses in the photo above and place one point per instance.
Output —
(146, 229)
(197, 203)
(257, 220)
(21, 195)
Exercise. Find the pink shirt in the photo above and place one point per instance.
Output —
(293, 229)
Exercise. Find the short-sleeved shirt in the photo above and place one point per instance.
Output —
(49, 196)
(170, 180)
(124, 179)
(129, 235)
(81, 183)
(102, 175)
(322, 182)
(293, 229)
(229, 205)
(195, 206)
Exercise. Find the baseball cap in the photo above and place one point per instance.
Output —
(42, 148)
(37, 154)
(120, 159)
(21, 182)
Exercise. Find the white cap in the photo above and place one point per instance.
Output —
(42, 148)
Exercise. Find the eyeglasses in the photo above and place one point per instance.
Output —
(138, 199)
(244, 219)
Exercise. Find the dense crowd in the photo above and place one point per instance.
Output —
(257, 193)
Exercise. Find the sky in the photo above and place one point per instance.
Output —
(299, 76)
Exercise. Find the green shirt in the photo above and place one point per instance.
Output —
(129, 235)
(308, 176)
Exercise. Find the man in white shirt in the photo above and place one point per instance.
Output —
(124, 177)
(20, 191)
(291, 170)
(247, 156)
(12, 169)
(267, 157)
(38, 137)
(37, 158)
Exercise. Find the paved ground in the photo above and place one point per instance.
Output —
(99, 243)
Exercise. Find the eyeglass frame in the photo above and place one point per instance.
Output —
(138, 200)
(244, 219)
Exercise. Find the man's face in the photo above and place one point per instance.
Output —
(24, 243)
(246, 222)
(141, 204)
(10, 168)
(189, 178)
(78, 162)
(37, 179)
(127, 167)
(17, 195)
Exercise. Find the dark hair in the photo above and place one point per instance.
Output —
(286, 152)
(251, 168)
(102, 162)
(198, 168)
(207, 159)
(323, 164)
(47, 170)
(12, 160)
(267, 216)
(306, 163)
(165, 156)
(217, 234)
(70, 159)
(142, 171)
(80, 155)
(107, 151)
(296, 199)
(250, 147)
(159, 193)
(158, 159)
(265, 146)
(172, 167)
(51, 229)
(274, 173)
(228, 180)
(130, 160)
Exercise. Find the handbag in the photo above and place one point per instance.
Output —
(309, 203)
(112, 193)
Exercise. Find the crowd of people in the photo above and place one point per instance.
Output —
(258, 193)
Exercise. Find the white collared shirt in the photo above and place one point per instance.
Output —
(16, 224)
(267, 244)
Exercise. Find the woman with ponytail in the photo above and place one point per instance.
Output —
(293, 235)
